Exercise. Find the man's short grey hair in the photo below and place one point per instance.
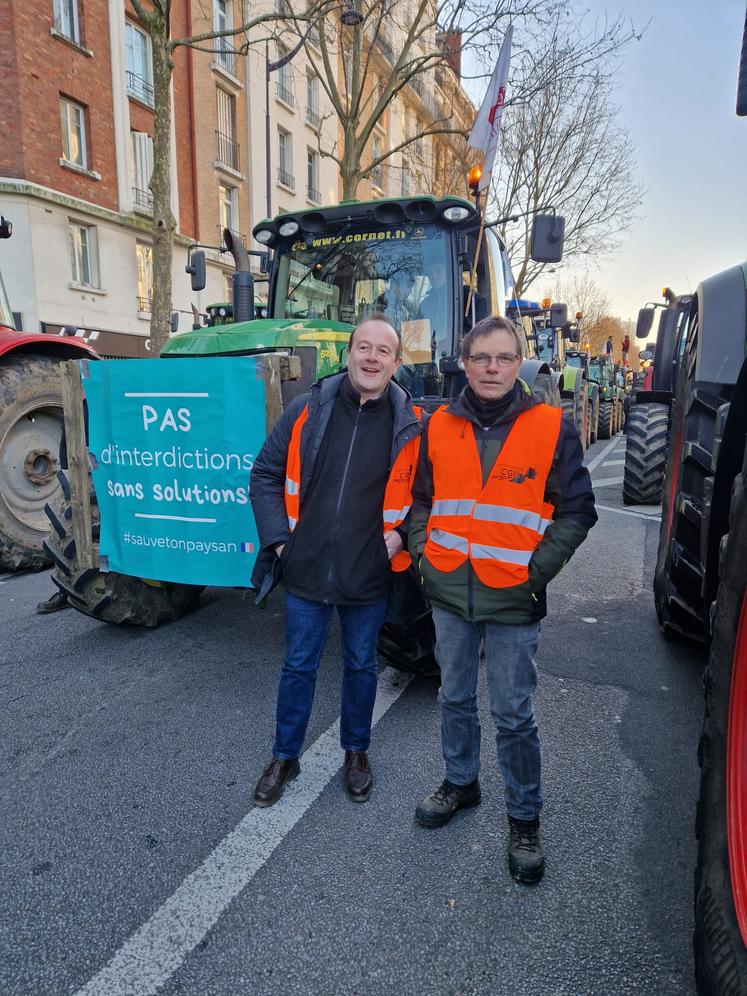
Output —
(493, 323)
(377, 316)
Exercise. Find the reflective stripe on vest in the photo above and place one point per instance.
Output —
(397, 495)
(497, 525)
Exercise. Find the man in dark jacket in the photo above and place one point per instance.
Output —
(500, 502)
(329, 488)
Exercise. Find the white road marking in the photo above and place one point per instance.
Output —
(614, 463)
(588, 619)
(626, 511)
(605, 482)
(600, 456)
(155, 951)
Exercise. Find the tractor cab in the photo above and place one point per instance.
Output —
(419, 261)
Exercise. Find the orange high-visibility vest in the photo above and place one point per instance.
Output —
(498, 525)
(397, 495)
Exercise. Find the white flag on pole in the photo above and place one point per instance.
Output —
(487, 127)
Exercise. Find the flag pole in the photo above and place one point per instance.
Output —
(481, 230)
(485, 135)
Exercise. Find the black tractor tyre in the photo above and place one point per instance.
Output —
(720, 951)
(605, 420)
(593, 413)
(110, 597)
(407, 640)
(645, 454)
(684, 536)
(30, 432)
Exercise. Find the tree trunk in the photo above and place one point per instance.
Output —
(160, 184)
(350, 166)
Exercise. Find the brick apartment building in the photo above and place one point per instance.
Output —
(76, 103)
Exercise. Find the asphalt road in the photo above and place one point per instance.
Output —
(134, 862)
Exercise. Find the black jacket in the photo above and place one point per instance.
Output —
(327, 563)
(568, 489)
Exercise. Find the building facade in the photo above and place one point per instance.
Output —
(77, 101)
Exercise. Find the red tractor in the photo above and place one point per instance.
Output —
(30, 432)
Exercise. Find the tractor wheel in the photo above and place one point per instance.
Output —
(605, 420)
(594, 414)
(30, 432)
(645, 454)
(684, 542)
(110, 597)
(407, 640)
(720, 939)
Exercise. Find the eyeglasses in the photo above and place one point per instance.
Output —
(502, 359)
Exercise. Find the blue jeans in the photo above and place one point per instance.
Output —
(306, 627)
(512, 677)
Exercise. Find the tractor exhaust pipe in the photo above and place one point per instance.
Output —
(243, 281)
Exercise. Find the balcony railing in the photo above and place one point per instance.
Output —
(142, 198)
(228, 151)
(313, 37)
(144, 304)
(284, 94)
(314, 195)
(419, 86)
(237, 236)
(313, 118)
(384, 43)
(287, 179)
(139, 88)
(225, 57)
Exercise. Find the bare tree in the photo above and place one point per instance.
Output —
(564, 147)
(383, 46)
(582, 293)
(155, 18)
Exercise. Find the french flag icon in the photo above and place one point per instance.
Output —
(247, 547)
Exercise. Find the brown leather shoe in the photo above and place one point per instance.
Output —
(270, 786)
(358, 777)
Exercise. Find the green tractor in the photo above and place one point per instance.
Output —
(547, 328)
(611, 393)
(577, 382)
(413, 259)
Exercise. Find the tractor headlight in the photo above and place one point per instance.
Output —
(456, 213)
(288, 228)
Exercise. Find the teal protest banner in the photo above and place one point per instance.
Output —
(172, 443)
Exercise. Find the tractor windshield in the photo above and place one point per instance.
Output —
(403, 272)
(6, 315)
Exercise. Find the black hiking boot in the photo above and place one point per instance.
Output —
(526, 859)
(437, 809)
(273, 781)
(58, 601)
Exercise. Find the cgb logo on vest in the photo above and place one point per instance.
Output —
(505, 472)
(401, 476)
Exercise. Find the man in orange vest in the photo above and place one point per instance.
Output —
(500, 502)
(330, 490)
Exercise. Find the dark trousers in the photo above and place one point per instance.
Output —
(306, 627)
